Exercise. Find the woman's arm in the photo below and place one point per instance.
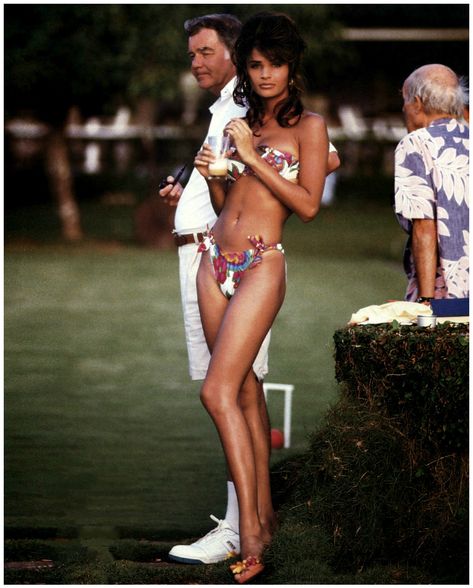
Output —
(217, 188)
(218, 192)
(302, 198)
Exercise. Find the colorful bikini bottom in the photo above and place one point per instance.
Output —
(229, 267)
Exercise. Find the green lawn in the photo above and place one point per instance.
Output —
(103, 428)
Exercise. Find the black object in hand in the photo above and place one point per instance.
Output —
(163, 183)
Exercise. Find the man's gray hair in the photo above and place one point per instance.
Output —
(226, 26)
(443, 93)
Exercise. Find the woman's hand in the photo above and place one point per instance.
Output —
(242, 139)
(203, 158)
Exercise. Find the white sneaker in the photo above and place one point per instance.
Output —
(219, 544)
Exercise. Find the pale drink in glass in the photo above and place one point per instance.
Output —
(220, 145)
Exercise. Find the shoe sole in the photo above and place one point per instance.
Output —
(186, 560)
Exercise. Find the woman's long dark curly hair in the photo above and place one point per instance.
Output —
(276, 37)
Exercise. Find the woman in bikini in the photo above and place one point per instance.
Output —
(277, 167)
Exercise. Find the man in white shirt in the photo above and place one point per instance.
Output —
(210, 42)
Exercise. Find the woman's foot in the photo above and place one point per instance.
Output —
(252, 564)
(244, 571)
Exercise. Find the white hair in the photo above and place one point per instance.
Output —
(439, 89)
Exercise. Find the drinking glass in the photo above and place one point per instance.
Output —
(220, 144)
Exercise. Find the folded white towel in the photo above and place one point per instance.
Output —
(386, 313)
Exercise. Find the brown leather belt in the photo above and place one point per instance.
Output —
(196, 238)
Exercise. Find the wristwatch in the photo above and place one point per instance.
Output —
(424, 299)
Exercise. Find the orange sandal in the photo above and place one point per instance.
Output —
(247, 569)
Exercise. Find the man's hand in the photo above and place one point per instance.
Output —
(171, 193)
(333, 162)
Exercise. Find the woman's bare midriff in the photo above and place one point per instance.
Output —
(250, 209)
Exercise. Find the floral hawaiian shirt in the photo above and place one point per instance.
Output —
(431, 181)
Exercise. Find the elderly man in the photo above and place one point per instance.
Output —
(431, 185)
(210, 43)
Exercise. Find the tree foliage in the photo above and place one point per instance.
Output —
(98, 55)
(87, 55)
(95, 56)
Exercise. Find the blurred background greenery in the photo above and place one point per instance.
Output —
(99, 102)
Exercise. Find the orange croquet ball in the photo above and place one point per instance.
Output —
(277, 439)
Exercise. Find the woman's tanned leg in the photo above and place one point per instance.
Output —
(235, 331)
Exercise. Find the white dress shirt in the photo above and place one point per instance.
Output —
(194, 212)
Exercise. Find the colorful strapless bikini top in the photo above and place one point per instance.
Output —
(284, 162)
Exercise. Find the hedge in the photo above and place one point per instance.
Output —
(387, 475)
(416, 375)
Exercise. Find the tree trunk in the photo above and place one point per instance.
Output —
(60, 178)
(154, 219)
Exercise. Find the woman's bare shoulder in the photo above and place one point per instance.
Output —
(311, 121)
